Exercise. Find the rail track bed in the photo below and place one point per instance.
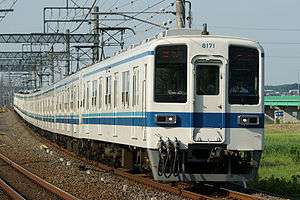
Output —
(4, 195)
(19, 183)
(88, 179)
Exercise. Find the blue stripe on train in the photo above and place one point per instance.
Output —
(184, 119)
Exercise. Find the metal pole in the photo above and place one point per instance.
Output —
(52, 66)
(68, 52)
(180, 13)
(95, 30)
(189, 17)
(2, 89)
(299, 83)
(102, 45)
(77, 59)
(44, 18)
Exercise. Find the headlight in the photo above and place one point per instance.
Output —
(245, 120)
(165, 119)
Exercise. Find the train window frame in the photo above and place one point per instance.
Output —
(135, 86)
(108, 90)
(116, 82)
(212, 87)
(78, 97)
(88, 95)
(94, 93)
(68, 98)
(100, 93)
(169, 96)
(83, 96)
(125, 88)
(245, 97)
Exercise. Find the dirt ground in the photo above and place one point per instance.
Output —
(282, 128)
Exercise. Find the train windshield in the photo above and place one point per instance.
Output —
(170, 84)
(243, 75)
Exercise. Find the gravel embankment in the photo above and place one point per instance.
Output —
(21, 145)
(23, 185)
(3, 196)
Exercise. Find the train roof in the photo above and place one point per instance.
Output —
(173, 33)
(193, 33)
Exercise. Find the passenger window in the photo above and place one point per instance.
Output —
(83, 99)
(207, 79)
(125, 89)
(135, 80)
(63, 100)
(100, 93)
(116, 90)
(88, 95)
(74, 98)
(243, 85)
(57, 103)
(78, 97)
(94, 93)
(108, 91)
(170, 74)
(68, 99)
(60, 101)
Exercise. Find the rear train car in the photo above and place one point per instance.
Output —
(188, 106)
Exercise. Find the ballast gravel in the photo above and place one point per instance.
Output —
(24, 147)
(84, 181)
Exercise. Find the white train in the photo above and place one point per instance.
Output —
(188, 105)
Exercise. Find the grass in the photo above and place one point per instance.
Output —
(279, 170)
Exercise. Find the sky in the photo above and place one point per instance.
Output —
(274, 23)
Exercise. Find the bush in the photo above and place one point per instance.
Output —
(280, 186)
(295, 153)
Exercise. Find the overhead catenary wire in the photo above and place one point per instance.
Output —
(253, 28)
(139, 13)
(12, 5)
(94, 3)
(152, 16)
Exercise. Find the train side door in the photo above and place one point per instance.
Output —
(115, 102)
(209, 105)
(136, 103)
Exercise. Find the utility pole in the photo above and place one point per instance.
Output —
(180, 13)
(189, 17)
(95, 30)
(298, 83)
(52, 65)
(2, 89)
(68, 52)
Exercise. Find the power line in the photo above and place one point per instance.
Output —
(284, 57)
(280, 43)
(95, 1)
(13, 4)
(149, 7)
(113, 4)
(255, 28)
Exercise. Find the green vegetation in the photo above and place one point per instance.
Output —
(279, 171)
(282, 88)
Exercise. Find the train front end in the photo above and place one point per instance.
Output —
(206, 121)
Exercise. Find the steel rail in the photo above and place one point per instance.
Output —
(51, 188)
(123, 173)
(238, 195)
(11, 192)
(230, 194)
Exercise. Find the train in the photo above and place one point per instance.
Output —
(184, 105)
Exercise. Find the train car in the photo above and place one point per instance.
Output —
(185, 105)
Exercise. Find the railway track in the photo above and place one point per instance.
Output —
(18, 183)
(10, 191)
(184, 190)
(181, 189)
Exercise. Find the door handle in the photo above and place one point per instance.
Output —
(220, 106)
